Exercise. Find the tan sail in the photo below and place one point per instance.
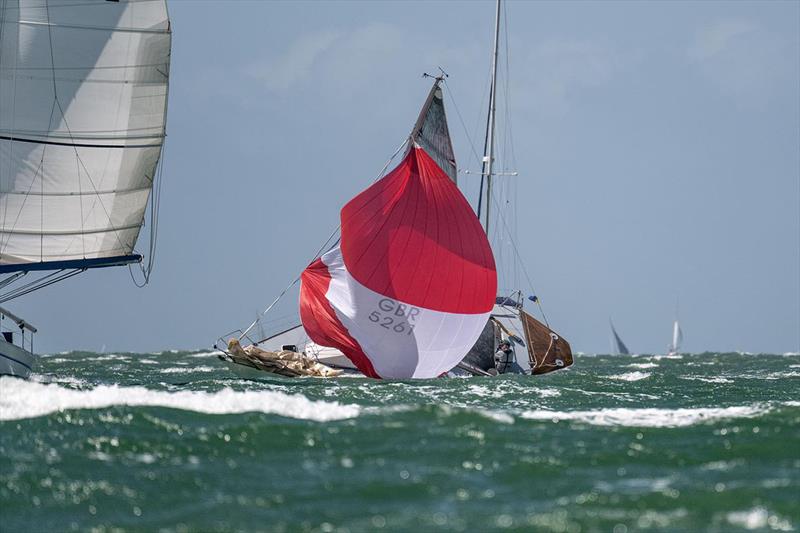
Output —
(284, 362)
(547, 350)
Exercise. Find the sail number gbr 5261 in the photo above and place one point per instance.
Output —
(394, 316)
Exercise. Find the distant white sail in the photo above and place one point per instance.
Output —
(677, 338)
(83, 98)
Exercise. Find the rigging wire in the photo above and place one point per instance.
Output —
(322, 249)
(522, 264)
(12, 278)
(35, 285)
(155, 208)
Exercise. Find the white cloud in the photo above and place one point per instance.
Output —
(357, 59)
(553, 72)
(295, 64)
(717, 37)
(743, 59)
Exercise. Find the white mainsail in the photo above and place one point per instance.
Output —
(677, 338)
(83, 100)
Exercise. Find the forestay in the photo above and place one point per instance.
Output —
(83, 97)
(411, 285)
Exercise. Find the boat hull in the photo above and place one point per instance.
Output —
(15, 361)
(252, 373)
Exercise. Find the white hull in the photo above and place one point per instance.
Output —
(15, 361)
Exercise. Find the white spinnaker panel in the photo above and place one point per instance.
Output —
(83, 95)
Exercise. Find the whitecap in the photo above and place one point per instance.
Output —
(650, 417)
(718, 379)
(27, 399)
(758, 518)
(642, 365)
(548, 393)
(187, 370)
(632, 376)
(203, 355)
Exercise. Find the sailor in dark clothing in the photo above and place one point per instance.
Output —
(504, 358)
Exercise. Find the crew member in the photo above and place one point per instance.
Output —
(504, 357)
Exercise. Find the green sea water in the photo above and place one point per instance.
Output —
(174, 442)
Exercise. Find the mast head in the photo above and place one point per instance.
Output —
(439, 78)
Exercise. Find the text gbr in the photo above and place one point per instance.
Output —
(395, 316)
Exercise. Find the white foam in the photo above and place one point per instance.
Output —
(188, 370)
(649, 417)
(548, 393)
(642, 365)
(718, 379)
(632, 376)
(758, 518)
(27, 399)
(203, 355)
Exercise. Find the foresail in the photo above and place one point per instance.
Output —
(83, 96)
(677, 336)
(618, 344)
(547, 350)
(432, 134)
(410, 288)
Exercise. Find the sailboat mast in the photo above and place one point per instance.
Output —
(488, 149)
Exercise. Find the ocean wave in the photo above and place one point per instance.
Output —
(650, 417)
(642, 365)
(759, 518)
(717, 379)
(28, 399)
(188, 369)
(632, 376)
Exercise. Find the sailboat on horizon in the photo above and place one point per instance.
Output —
(409, 289)
(83, 105)
(677, 339)
(618, 347)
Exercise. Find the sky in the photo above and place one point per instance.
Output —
(657, 145)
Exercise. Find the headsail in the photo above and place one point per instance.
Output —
(432, 134)
(83, 98)
(677, 338)
(411, 286)
(619, 346)
(547, 350)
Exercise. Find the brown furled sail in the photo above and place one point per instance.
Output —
(547, 350)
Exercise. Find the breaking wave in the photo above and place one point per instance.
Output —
(28, 399)
(650, 417)
(632, 376)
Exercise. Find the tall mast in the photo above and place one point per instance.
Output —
(488, 147)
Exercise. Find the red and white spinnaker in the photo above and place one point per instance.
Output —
(412, 283)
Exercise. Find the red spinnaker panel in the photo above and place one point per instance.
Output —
(413, 237)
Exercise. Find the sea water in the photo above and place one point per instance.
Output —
(173, 441)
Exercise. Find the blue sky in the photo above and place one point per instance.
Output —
(657, 145)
